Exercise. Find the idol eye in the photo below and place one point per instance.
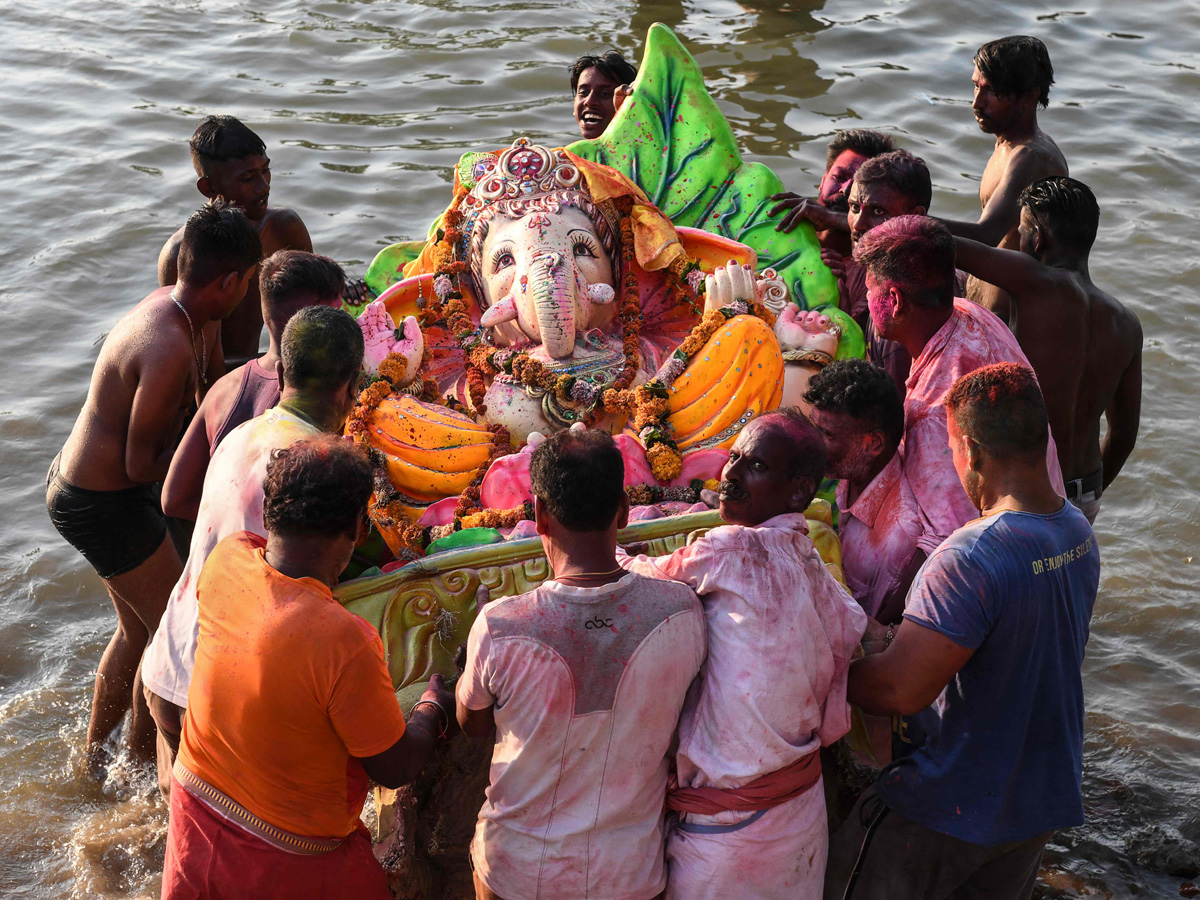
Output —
(584, 247)
(502, 259)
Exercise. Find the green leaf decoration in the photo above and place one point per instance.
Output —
(384, 270)
(670, 138)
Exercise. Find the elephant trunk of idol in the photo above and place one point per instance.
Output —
(552, 286)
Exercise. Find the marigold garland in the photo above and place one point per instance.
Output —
(648, 405)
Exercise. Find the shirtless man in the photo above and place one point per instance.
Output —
(231, 163)
(1012, 77)
(1085, 347)
(102, 490)
(599, 85)
(289, 280)
(846, 152)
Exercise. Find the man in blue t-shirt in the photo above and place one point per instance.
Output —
(988, 664)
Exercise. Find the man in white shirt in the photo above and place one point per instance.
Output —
(781, 631)
(584, 679)
(322, 351)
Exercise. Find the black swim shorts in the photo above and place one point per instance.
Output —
(116, 531)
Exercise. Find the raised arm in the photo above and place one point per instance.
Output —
(797, 209)
(1123, 415)
(1002, 211)
(1016, 272)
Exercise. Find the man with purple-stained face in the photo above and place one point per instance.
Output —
(910, 278)
(781, 632)
(827, 211)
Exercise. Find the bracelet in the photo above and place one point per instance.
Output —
(445, 719)
(887, 638)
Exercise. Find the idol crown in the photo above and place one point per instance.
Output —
(519, 172)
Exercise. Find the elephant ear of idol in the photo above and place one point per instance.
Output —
(670, 138)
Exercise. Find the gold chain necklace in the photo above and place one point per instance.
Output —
(202, 369)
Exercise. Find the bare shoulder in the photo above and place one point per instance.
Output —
(283, 229)
(1124, 327)
(223, 392)
(168, 259)
(1041, 157)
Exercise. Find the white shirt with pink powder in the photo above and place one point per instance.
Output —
(781, 633)
(587, 685)
(881, 532)
(231, 501)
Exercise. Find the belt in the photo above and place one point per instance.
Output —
(228, 808)
(765, 792)
(1079, 488)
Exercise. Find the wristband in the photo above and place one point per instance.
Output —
(445, 719)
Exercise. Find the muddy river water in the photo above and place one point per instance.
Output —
(366, 106)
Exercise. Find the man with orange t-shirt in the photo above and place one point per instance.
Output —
(290, 707)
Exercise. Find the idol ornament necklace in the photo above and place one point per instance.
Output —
(201, 368)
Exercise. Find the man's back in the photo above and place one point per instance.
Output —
(231, 503)
(1002, 753)
(587, 685)
(1081, 343)
(289, 687)
(781, 632)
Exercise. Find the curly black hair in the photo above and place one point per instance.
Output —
(1001, 408)
(580, 477)
(862, 391)
(1016, 65)
(317, 486)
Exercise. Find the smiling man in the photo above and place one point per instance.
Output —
(599, 84)
(750, 807)
(231, 164)
(1012, 78)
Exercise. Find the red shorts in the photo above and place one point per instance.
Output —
(210, 857)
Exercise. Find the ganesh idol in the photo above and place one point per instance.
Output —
(553, 294)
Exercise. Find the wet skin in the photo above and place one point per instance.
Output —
(1084, 346)
(594, 102)
(245, 183)
(144, 383)
(1023, 153)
